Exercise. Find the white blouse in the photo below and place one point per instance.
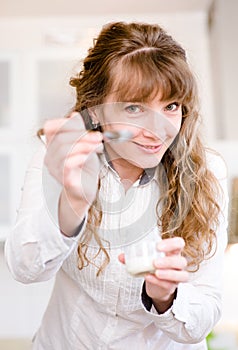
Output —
(107, 312)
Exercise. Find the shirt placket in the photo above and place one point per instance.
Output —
(116, 275)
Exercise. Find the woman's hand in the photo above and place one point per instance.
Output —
(170, 270)
(71, 158)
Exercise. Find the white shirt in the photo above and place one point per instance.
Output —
(107, 312)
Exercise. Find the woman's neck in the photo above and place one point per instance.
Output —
(128, 172)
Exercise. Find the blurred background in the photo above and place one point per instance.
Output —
(41, 45)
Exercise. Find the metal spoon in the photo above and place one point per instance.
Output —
(118, 136)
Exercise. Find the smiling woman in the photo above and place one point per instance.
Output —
(88, 198)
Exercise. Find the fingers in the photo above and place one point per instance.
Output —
(172, 262)
(69, 143)
(168, 286)
(167, 279)
(173, 245)
(55, 126)
(172, 271)
(172, 268)
(85, 145)
(72, 136)
(71, 155)
(172, 275)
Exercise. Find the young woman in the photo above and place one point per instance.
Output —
(89, 197)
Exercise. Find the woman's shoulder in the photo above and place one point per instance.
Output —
(216, 163)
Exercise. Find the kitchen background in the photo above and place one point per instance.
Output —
(41, 45)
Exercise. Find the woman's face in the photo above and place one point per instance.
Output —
(154, 126)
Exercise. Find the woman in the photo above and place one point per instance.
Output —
(102, 195)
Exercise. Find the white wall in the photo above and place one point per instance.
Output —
(224, 64)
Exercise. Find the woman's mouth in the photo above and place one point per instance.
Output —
(149, 148)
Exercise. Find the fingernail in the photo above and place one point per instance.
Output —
(160, 273)
(159, 262)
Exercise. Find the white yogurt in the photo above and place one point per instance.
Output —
(139, 266)
(139, 257)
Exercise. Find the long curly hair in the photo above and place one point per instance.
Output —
(136, 61)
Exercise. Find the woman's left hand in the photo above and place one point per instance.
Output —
(170, 270)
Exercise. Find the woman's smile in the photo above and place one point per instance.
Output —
(149, 148)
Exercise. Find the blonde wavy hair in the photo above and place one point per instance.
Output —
(136, 61)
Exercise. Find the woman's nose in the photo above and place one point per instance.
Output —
(159, 126)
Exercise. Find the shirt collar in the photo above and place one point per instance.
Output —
(147, 175)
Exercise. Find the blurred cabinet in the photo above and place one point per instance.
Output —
(5, 157)
(34, 87)
(38, 56)
(5, 88)
(5, 185)
(55, 97)
(8, 78)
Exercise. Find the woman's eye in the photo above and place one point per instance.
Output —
(134, 109)
(172, 107)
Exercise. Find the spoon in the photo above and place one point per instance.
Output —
(118, 136)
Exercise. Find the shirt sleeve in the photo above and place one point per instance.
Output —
(35, 248)
(197, 306)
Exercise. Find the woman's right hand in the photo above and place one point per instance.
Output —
(71, 158)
